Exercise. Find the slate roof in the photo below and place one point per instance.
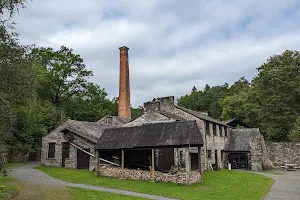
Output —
(235, 122)
(171, 115)
(200, 115)
(240, 139)
(151, 135)
(88, 130)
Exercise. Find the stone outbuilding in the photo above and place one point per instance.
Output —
(71, 145)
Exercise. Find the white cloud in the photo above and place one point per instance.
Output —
(174, 44)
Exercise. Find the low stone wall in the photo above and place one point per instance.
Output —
(179, 177)
(281, 153)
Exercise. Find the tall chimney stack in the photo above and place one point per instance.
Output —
(124, 110)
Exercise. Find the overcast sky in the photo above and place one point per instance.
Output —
(174, 45)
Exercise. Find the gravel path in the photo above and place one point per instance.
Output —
(286, 187)
(27, 175)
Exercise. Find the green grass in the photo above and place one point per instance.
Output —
(222, 184)
(80, 194)
(8, 188)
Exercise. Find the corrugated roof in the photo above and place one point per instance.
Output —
(151, 135)
(240, 139)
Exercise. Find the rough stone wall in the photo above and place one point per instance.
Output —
(211, 142)
(281, 153)
(179, 177)
(57, 137)
(256, 154)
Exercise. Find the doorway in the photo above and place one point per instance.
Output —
(83, 159)
(238, 160)
(65, 152)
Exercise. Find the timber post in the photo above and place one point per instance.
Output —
(96, 162)
(187, 165)
(123, 170)
(200, 162)
(153, 166)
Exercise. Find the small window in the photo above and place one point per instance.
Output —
(214, 129)
(207, 128)
(225, 131)
(221, 130)
(209, 153)
(66, 149)
(51, 150)
(109, 120)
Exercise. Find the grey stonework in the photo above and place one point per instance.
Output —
(282, 153)
(58, 138)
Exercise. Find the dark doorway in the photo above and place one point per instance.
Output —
(194, 161)
(238, 160)
(83, 159)
(65, 152)
(166, 158)
(216, 165)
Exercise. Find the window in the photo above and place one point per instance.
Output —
(225, 131)
(66, 149)
(207, 128)
(109, 120)
(209, 153)
(221, 130)
(214, 129)
(51, 150)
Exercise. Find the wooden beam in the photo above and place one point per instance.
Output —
(187, 165)
(96, 162)
(123, 167)
(153, 166)
(200, 162)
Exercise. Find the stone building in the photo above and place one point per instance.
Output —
(244, 147)
(71, 145)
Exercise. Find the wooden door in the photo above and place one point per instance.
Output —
(65, 152)
(83, 159)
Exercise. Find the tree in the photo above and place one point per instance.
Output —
(90, 105)
(63, 74)
(276, 94)
(11, 6)
(294, 134)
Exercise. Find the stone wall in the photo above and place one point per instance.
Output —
(282, 153)
(179, 177)
(57, 137)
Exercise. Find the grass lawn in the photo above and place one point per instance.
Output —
(222, 184)
(8, 188)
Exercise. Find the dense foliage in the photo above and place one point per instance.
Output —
(271, 101)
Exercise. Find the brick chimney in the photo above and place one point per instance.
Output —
(124, 110)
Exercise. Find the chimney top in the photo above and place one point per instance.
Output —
(124, 48)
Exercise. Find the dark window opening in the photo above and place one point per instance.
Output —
(221, 130)
(214, 129)
(207, 128)
(225, 131)
(209, 153)
(109, 120)
(51, 150)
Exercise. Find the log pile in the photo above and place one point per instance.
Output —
(136, 174)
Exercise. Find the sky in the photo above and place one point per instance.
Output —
(173, 44)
